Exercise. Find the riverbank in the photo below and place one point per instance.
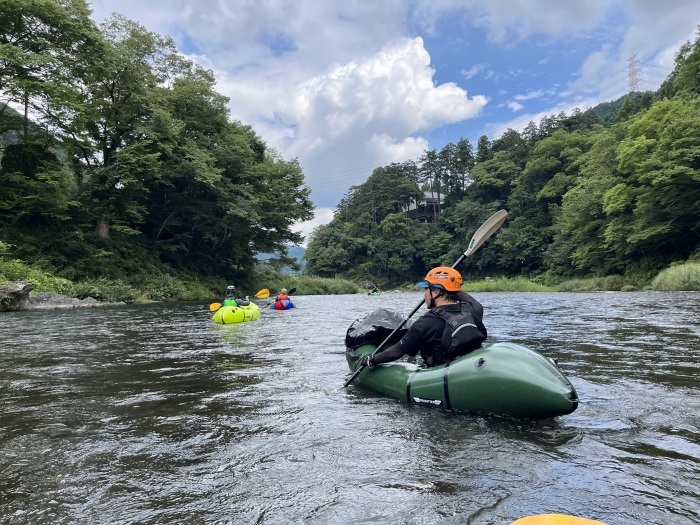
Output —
(49, 292)
(54, 301)
(679, 278)
(166, 287)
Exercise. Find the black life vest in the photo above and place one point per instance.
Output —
(463, 331)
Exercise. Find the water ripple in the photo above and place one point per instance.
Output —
(154, 414)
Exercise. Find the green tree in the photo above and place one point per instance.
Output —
(464, 162)
(660, 159)
(579, 246)
(493, 179)
(394, 259)
(684, 80)
(483, 149)
(370, 236)
(327, 253)
(36, 190)
(44, 45)
(430, 176)
(513, 144)
(109, 135)
(447, 170)
(627, 109)
(535, 197)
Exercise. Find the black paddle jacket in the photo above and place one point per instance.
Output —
(425, 335)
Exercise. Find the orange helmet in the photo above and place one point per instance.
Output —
(443, 277)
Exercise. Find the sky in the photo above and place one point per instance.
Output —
(346, 86)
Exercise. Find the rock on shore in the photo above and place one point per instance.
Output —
(15, 296)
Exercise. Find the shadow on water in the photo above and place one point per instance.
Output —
(154, 414)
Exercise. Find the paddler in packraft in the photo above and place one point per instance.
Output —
(282, 295)
(452, 327)
(230, 299)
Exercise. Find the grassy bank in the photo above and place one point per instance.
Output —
(610, 283)
(167, 287)
(177, 287)
(506, 285)
(142, 288)
(614, 283)
(679, 277)
(306, 285)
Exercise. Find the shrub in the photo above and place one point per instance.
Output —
(503, 284)
(103, 290)
(683, 277)
(16, 270)
(164, 288)
(305, 285)
(596, 284)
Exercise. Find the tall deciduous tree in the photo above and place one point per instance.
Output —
(109, 135)
(660, 158)
(550, 171)
(579, 247)
(43, 48)
(35, 189)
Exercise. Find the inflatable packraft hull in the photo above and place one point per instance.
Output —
(504, 379)
(284, 304)
(236, 314)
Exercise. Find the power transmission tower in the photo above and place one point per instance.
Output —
(633, 73)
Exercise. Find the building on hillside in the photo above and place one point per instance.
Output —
(427, 209)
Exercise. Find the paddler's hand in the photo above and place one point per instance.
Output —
(366, 360)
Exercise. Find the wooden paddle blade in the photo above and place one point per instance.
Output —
(214, 306)
(555, 519)
(263, 294)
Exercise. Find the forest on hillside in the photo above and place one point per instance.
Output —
(119, 160)
(614, 190)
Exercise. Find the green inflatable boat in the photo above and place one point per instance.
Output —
(504, 378)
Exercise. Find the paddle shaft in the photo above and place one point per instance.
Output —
(485, 231)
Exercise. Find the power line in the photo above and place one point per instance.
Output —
(658, 67)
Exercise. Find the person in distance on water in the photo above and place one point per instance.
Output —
(230, 299)
(452, 326)
(282, 295)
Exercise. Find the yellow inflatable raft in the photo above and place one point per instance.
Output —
(236, 314)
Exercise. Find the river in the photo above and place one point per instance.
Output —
(153, 414)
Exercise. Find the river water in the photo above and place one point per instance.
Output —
(153, 414)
